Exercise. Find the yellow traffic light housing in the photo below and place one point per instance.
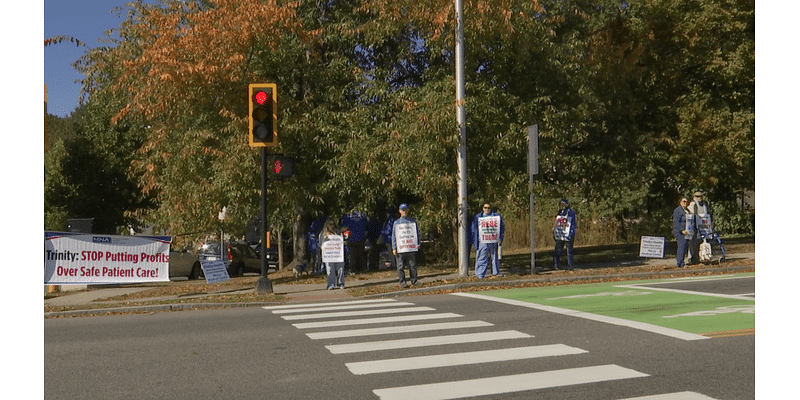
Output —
(262, 115)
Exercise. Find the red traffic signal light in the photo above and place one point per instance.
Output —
(262, 118)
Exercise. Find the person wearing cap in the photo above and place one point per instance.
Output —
(405, 244)
(564, 233)
(488, 230)
(701, 215)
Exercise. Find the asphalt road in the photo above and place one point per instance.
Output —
(441, 346)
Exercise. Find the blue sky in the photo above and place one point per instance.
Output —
(85, 20)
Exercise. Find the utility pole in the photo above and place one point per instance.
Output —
(533, 169)
(461, 118)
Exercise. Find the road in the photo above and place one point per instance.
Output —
(684, 339)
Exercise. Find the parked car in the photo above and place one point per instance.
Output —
(183, 262)
(239, 257)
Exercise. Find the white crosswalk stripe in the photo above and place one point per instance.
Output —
(355, 313)
(508, 383)
(463, 358)
(423, 342)
(397, 329)
(340, 308)
(674, 396)
(371, 319)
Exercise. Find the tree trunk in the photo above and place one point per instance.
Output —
(299, 240)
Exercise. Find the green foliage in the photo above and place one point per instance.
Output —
(636, 104)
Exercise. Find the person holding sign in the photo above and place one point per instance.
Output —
(682, 228)
(405, 244)
(701, 215)
(331, 244)
(488, 230)
(564, 233)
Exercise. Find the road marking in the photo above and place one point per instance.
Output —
(674, 396)
(356, 313)
(508, 384)
(338, 307)
(691, 292)
(744, 309)
(594, 317)
(397, 329)
(466, 358)
(312, 305)
(423, 342)
(650, 286)
(738, 332)
(378, 320)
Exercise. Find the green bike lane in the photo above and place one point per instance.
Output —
(676, 305)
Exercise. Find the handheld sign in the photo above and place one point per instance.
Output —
(406, 234)
(489, 229)
(333, 249)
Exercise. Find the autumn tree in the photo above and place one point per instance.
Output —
(625, 95)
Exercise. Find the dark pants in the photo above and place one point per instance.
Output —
(392, 259)
(410, 260)
(694, 249)
(682, 246)
(559, 248)
(356, 256)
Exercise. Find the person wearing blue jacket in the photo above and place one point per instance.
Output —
(356, 223)
(487, 233)
(564, 233)
(405, 244)
(680, 229)
(386, 234)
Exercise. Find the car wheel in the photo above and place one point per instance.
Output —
(196, 271)
(236, 270)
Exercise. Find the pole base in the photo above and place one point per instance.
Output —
(263, 285)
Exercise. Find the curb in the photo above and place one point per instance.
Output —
(422, 290)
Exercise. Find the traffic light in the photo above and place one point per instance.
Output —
(283, 167)
(263, 121)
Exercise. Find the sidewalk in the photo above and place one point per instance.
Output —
(298, 293)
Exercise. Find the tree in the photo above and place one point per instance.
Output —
(624, 95)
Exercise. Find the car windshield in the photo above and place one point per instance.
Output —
(209, 248)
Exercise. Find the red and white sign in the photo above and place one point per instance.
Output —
(87, 259)
(489, 229)
(333, 249)
(406, 237)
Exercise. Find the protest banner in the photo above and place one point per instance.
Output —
(79, 258)
(333, 249)
(215, 271)
(652, 246)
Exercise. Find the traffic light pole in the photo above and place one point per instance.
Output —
(264, 285)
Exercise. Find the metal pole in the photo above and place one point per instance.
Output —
(263, 285)
(463, 244)
(533, 169)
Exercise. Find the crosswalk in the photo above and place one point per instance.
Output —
(372, 327)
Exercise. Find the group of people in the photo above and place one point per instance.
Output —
(338, 245)
(488, 231)
(691, 222)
